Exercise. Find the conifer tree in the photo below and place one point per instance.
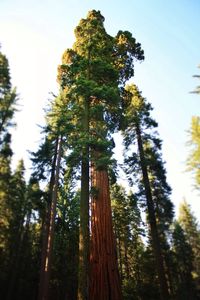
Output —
(8, 100)
(65, 254)
(191, 229)
(130, 248)
(139, 130)
(194, 155)
(48, 158)
(17, 206)
(183, 259)
(8, 97)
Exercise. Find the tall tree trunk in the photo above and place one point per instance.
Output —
(152, 221)
(104, 275)
(83, 278)
(49, 234)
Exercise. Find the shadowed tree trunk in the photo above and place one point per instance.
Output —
(83, 280)
(104, 275)
(47, 247)
(152, 221)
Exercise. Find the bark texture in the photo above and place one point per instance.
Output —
(104, 275)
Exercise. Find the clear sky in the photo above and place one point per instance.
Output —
(34, 34)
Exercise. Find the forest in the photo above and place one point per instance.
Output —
(73, 230)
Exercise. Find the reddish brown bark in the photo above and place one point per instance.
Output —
(104, 275)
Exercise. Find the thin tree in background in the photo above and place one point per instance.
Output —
(191, 229)
(137, 126)
(50, 223)
(56, 125)
(8, 97)
(183, 265)
(130, 247)
(17, 205)
(194, 155)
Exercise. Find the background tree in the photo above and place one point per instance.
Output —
(138, 128)
(191, 229)
(130, 247)
(8, 100)
(8, 97)
(64, 281)
(184, 285)
(17, 205)
(194, 156)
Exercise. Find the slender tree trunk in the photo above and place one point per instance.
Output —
(104, 275)
(83, 278)
(49, 236)
(152, 222)
(84, 234)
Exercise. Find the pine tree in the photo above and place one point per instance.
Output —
(17, 206)
(183, 259)
(5, 210)
(139, 130)
(130, 248)
(8, 98)
(48, 158)
(191, 229)
(194, 156)
(65, 255)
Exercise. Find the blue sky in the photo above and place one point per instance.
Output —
(34, 34)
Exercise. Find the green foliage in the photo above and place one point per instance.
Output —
(65, 257)
(8, 98)
(192, 233)
(193, 161)
(93, 70)
(92, 104)
(128, 231)
(137, 114)
(183, 257)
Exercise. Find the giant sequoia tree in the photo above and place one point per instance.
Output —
(91, 75)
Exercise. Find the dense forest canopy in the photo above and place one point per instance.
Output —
(72, 230)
